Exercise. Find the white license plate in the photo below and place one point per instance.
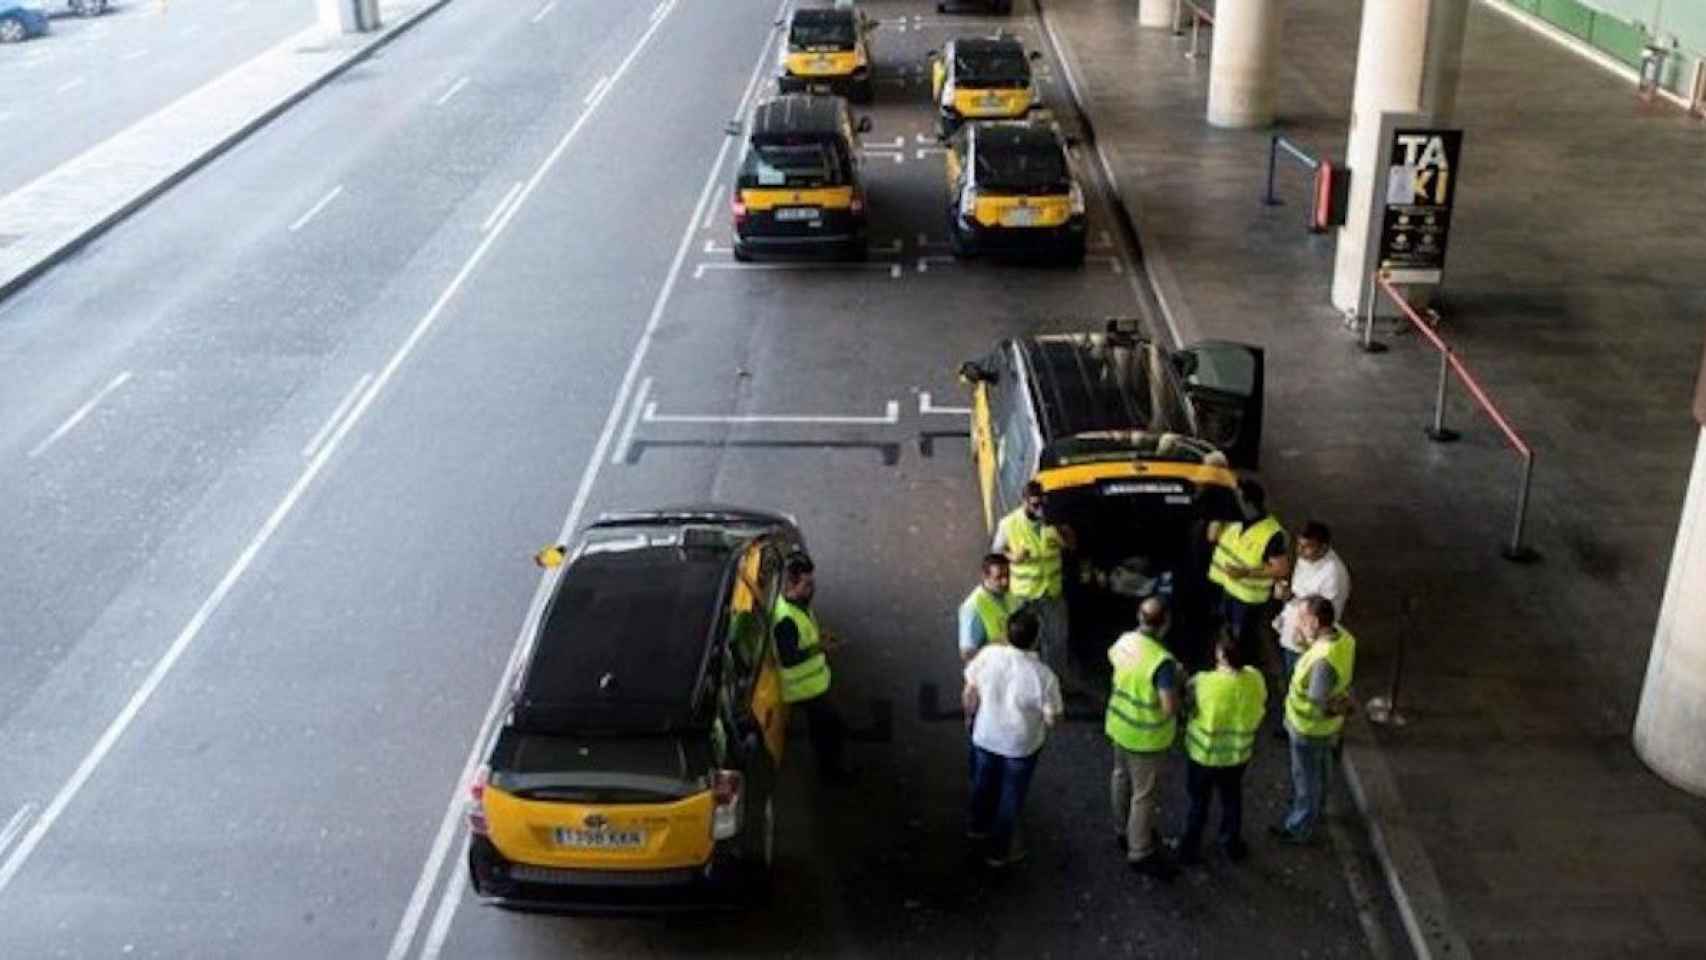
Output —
(799, 213)
(599, 839)
(991, 101)
(1019, 217)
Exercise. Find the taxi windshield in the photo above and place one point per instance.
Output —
(1023, 169)
(818, 34)
(807, 164)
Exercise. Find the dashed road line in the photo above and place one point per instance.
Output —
(620, 454)
(77, 417)
(15, 825)
(894, 270)
(498, 211)
(69, 85)
(314, 211)
(711, 210)
(337, 416)
(596, 91)
(455, 88)
(926, 407)
(135, 54)
(544, 12)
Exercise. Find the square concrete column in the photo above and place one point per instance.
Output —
(1246, 53)
(339, 17)
(1155, 13)
(1408, 60)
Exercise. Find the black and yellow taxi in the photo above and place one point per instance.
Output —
(636, 767)
(981, 78)
(797, 186)
(827, 50)
(1012, 190)
(1135, 446)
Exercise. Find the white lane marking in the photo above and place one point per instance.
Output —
(711, 209)
(659, 11)
(69, 85)
(921, 138)
(925, 406)
(924, 262)
(621, 452)
(448, 825)
(899, 143)
(923, 152)
(455, 88)
(109, 738)
(893, 269)
(891, 414)
(544, 12)
(899, 157)
(439, 931)
(596, 92)
(337, 415)
(77, 417)
(302, 221)
(14, 825)
(498, 211)
(135, 54)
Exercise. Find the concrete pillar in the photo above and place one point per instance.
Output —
(1670, 727)
(1408, 60)
(1155, 13)
(339, 17)
(1246, 53)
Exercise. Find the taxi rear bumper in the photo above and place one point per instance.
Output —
(725, 882)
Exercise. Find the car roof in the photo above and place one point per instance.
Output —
(980, 46)
(625, 642)
(823, 15)
(798, 113)
(996, 137)
(1098, 382)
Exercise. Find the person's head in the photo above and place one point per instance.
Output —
(1152, 616)
(1034, 500)
(1314, 542)
(799, 577)
(1022, 629)
(997, 573)
(1254, 497)
(1226, 651)
(1316, 617)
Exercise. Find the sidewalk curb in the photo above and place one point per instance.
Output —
(1410, 875)
(75, 242)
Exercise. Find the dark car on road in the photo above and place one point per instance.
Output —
(636, 768)
(19, 22)
(1012, 190)
(797, 186)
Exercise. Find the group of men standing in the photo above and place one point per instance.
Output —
(1012, 697)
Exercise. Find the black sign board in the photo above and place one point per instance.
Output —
(1421, 185)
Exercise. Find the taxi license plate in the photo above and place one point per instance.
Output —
(1019, 217)
(599, 839)
(819, 87)
(991, 101)
(799, 213)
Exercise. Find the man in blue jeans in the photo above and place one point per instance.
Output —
(1011, 699)
(1316, 702)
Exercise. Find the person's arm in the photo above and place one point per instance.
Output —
(968, 694)
(1167, 687)
(1053, 705)
(999, 544)
(787, 638)
(1322, 680)
(1068, 536)
(971, 632)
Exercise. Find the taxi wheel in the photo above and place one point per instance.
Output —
(741, 255)
(12, 30)
(862, 92)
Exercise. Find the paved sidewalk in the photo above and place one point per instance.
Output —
(48, 218)
(1519, 820)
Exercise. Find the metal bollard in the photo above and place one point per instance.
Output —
(1384, 710)
(1438, 432)
(1516, 551)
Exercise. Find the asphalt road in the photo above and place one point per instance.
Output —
(276, 453)
(90, 78)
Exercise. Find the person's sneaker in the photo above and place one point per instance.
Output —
(1237, 851)
(1155, 865)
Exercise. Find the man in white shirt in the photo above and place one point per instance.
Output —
(1320, 573)
(1011, 699)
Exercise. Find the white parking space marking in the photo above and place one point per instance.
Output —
(455, 88)
(69, 85)
(898, 143)
(72, 421)
(940, 260)
(662, 8)
(711, 210)
(544, 12)
(596, 92)
(926, 407)
(699, 269)
(891, 415)
(135, 54)
(313, 211)
(121, 723)
(15, 825)
(923, 152)
(337, 416)
(620, 454)
(882, 152)
(448, 826)
(498, 211)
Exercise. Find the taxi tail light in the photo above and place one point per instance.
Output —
(727, 792)
(858, 205)
(477, 807)
(737, 207)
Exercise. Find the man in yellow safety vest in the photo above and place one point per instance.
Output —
(1034, 546)
(801, 650)
(984, 612)
(1316, 702)
(1249, 556)
(1142, 725)
(1227, 704)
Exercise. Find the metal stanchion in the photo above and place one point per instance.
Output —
(1369, 344)
(1516, 551)
(1196, 31)
(1384, 710)
(1178, 18)
(1438, 432)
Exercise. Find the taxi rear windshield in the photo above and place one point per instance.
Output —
(826, 34)
(809, 163)
(1000, 70)
(1032, 170)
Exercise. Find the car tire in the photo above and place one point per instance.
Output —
(956, 240)
(741, 254)
(858, 251)
(12, 30)
(1072, 257)
(863, 91)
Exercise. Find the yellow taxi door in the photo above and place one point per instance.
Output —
(983, 445)
(751, 611)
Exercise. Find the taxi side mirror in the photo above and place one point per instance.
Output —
(864, 125)
(972, 373)
(550, 557)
